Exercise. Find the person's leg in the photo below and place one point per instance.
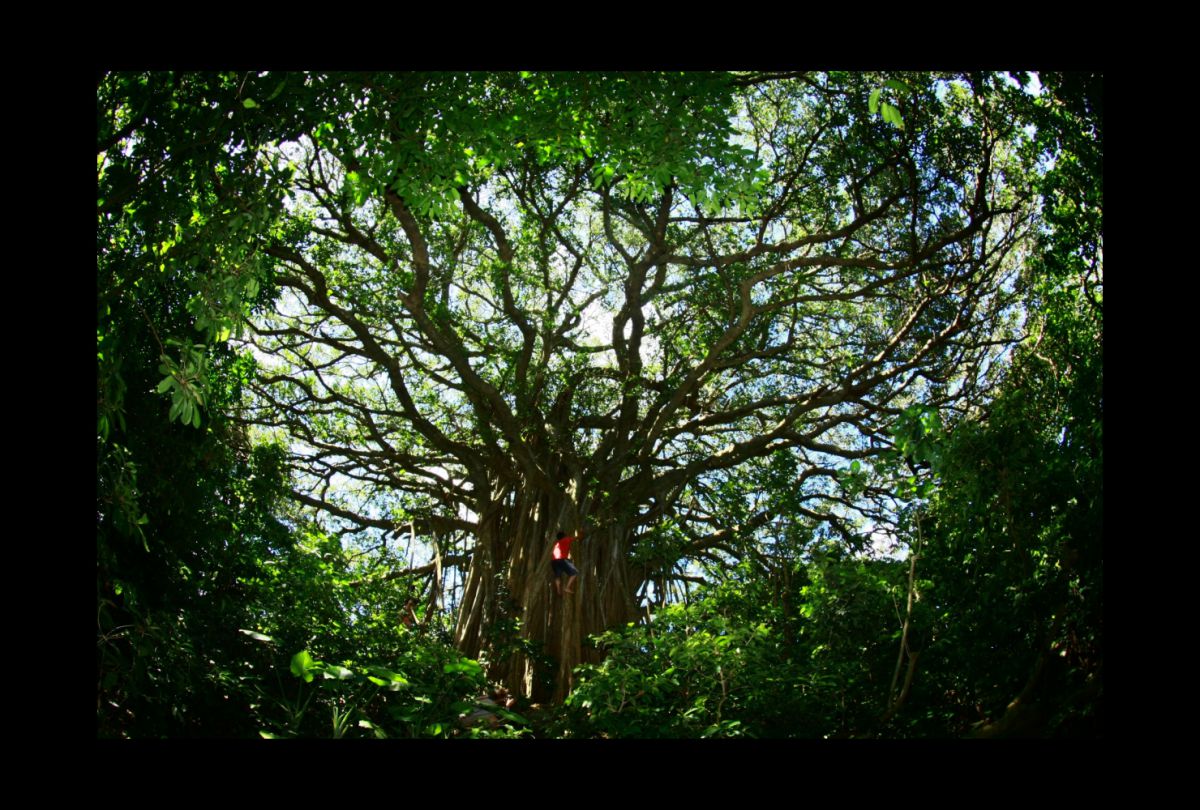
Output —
(558, 569)
(571, 584)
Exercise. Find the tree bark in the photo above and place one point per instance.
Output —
(510, 576)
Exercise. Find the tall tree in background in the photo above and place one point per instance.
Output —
(516, 302)
(488, 306)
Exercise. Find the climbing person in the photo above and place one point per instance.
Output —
(561, 562)
(408, 615)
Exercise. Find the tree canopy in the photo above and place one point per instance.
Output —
(736, 330)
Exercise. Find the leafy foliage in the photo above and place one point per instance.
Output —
(425, 695)
(804, 651)
(762, 334)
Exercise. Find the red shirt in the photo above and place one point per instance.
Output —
(562, 549)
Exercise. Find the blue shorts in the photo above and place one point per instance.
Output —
(564, 568)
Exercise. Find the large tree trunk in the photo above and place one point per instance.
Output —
(510, 577)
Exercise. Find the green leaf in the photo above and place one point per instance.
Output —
(256, 636)
(165, 385)
(898, 86)
(892, 115)
(249, 104)
(463, 665)
(302, 662)
(512, 717)
(873, 101)
(384, 672)
(381, 676)
(338, 672)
